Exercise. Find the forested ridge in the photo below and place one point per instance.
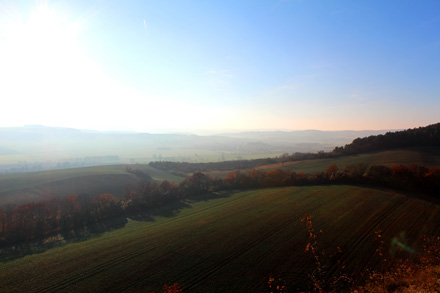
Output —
(416, 137)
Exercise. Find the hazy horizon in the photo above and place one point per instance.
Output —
(201, 132)
(215, 67)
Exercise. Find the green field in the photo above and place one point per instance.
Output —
(425, 156)
(230, 244)
(38, 186)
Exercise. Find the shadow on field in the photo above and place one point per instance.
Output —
(409, 192)
(172, 209)
(167, 210)
(16, 250)
(95, 229)
(209, 196)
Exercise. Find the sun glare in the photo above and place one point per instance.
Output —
(48, 77)
(37, 51)
(44, 69)
(40, 44)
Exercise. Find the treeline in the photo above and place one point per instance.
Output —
(414, 178)
(184, 168)
(68, 215)
(139, 173)
(422, 136)
(73, 214)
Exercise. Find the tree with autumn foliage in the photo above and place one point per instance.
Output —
(277, 177)
(107, 206)
(195, 185)
(169, 190)
(28, 221)
(332, 172)
(237, 179)
(3, 222)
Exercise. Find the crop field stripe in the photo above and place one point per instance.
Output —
(127, 257)
(225, 244)
(90, 272)
(236, 254)
(368, 232)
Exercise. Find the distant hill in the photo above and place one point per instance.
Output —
(305, 140)
(39, 148)
(5, 151)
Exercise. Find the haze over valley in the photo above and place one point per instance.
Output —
(37, 148)
(219, 146)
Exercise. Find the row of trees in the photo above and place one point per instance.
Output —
(182, 168)
(33, 221)
(413, 178)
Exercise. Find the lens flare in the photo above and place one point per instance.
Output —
(398, 243)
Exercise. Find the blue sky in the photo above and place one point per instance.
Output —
(201, 66)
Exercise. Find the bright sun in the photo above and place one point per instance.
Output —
(38, 49)
(45, 75)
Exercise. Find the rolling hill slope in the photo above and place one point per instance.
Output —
(231, 244)
(38, 186)
(424, 156)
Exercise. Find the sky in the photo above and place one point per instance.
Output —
(213, 66)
